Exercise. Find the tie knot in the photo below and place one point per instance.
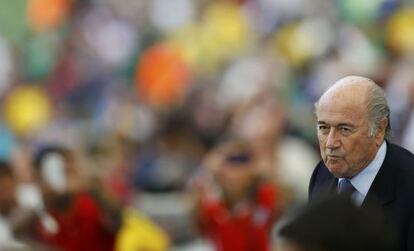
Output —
(346, 187)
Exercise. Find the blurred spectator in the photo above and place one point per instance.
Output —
(8, 208)
(80, 222)
(335, 224)
(163, 167)
(262, 122)
(17, 218)
(165, 162)
(239, 214)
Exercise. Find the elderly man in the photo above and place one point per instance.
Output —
(352, 124)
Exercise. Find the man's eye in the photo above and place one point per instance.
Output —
(346, 130)
(322, 128)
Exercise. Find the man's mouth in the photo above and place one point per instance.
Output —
(335, 156)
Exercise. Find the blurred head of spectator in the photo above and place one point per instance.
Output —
(236, 174)
(260, 121)
(248, 203)
(57, 172)
(234, 177)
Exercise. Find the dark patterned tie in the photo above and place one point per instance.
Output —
(345, 187)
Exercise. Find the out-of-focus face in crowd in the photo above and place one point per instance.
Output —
(235, 174)
(57, 171)
(259, 121)
(236, 170)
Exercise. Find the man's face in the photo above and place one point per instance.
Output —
(343, 133)
(236, 175)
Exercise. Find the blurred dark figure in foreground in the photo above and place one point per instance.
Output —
(336, 224)
(78, 221)
(236, 206)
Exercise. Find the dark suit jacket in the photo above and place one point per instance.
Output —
(392, 190)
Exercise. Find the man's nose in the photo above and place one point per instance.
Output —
(333, 141)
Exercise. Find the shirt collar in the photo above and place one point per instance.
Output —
(363, 180)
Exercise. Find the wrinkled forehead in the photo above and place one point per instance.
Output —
(349, 101)
(346, 94)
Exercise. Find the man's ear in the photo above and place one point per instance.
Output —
(382, 128)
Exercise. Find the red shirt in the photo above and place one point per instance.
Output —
(80, 227)
(246, 229)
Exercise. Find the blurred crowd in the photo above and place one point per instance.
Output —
(177, 124)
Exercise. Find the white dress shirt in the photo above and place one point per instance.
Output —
(363, 180)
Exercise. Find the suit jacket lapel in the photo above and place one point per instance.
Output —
(382, 190)
(334, 185)
(325, 185)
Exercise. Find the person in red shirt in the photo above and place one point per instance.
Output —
(238, 211)
(74, 220)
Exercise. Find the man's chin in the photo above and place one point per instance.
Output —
(337, 170)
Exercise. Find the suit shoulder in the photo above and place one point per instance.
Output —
(402, 161)
(401, 157)
(399, 149)
(320, 171)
